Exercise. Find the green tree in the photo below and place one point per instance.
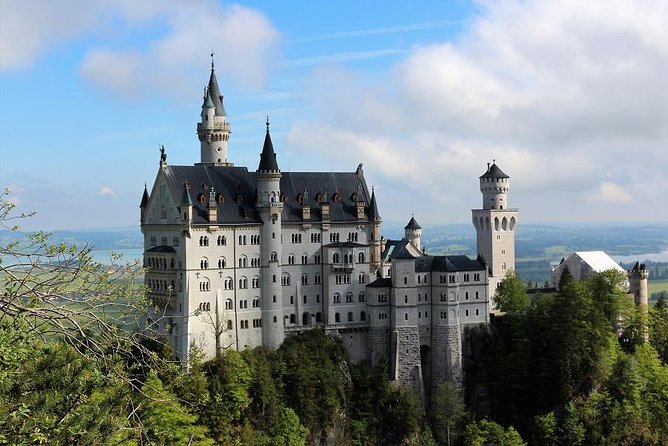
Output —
(165, 420)
(448, 413)
(489, 433)
(511, 295)
(51, 393)
(658, 328)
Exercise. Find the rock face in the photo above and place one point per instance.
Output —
(479, 344)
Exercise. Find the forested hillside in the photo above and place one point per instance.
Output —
(581, 367)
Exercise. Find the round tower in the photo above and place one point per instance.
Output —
(495, 226)
(413, 233)
(270, 208)
(213, 131)
(638, 277)
(494, 185)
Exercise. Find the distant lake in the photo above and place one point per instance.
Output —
(653, 256)
(128, 256)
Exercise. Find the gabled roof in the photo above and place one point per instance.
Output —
(185, 195)
(598, 261)
(412, 224)
(494, 172)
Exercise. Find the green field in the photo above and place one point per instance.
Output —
(656, 286)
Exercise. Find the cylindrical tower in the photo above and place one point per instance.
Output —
(413, 233)
(494, 185)
(638, 277)
(270, 207)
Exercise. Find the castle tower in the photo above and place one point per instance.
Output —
(270, 208)
(495, 226)
(413, 233)
(638, 277)
(214, 130)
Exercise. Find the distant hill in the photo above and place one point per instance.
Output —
(537, 245)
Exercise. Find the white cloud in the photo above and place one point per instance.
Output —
(244, 40)
(564, 94)
(107, 191)
(610, 192)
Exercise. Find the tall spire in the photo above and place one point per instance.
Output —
(373, 207)
(215, 91)
(268, 156)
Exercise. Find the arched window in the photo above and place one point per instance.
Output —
(335, 258)
(221, 263)
(360, 257)
(204, 263)
(337, 317)
(350, 316)
(336, 298)
(362, 316)
(293, 319)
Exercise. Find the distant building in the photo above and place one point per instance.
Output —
(238, 259)
(583, 264)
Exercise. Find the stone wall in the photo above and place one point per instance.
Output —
(406, 363)
(447, 354)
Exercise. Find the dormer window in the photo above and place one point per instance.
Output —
(282, 197)
(300, 198)
(205, 186)
(240, 199)
(336, 198)
(353, 196)
(220, 198)
(320, 198)
(201, 198)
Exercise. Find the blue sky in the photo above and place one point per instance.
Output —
(570, 100)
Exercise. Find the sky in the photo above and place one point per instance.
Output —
(569, 97)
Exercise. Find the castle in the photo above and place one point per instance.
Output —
(238, 259)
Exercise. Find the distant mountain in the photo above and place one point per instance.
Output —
(106, 239)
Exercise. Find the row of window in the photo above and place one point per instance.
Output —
(452, 278)
(163, 241)
(255, 239)
(158, 263)
(159, 285)
(336, 298)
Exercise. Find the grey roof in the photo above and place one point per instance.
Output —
(144, 198)
(208, 102)
(268, 156)
(238, 187)
(401, 252)
(494, 172)
(384, 282)
(447, 264)
(216, 97)
(412, 224)
(161, 248)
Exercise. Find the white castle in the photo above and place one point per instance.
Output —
(239, 259)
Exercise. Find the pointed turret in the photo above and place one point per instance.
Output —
(268, 156)
(143, 204)
(186, 205)
(373, 207)
(213, 131)
(216, 97)
(413, 233)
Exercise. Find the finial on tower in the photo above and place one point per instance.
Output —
(212, 54)
(267, 123)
